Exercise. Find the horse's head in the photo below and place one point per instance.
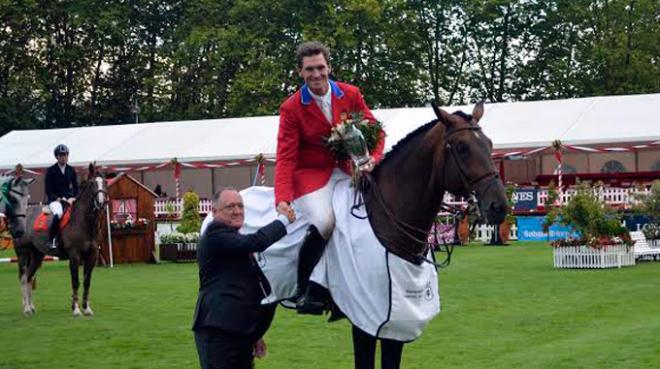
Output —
(17, 193)
(468, 164)
(96, 181)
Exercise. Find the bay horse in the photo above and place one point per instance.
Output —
(78, 241)
(404, 193)
(450, 153)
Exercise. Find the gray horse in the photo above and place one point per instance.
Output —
(78, 242)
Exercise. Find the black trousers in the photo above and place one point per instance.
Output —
(218, 349)
(364, 348)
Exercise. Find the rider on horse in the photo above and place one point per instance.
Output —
(306, 170)
(61, 186)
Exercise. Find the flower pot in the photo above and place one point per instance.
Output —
(504, 231)
(463, 231)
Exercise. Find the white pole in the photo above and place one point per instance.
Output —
(107, 218)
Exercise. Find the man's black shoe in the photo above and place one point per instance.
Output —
(307, 305)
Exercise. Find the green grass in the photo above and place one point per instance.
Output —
(503, 308)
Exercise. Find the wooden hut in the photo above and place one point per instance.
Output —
(131, 207)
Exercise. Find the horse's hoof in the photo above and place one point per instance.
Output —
(88, 312)
(76, 312)
(34, 310)
(28, 312)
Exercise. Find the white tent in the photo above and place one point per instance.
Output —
(585, 121)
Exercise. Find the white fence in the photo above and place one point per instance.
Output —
(484, 232)
(164, 208)
(610, 256)
(616, 196)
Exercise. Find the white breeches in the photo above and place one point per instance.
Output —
(56, 208)
(317, 205)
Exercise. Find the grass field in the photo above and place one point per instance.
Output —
(503, 308)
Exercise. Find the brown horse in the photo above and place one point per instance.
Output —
(78, 240)
(405, 190)
(451, 154)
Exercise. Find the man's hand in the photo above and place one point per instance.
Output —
(285, 209)
(367, 168)
(259, 349)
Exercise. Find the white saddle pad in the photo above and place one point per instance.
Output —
(380, 293)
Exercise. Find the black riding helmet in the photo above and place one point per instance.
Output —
(61, 150)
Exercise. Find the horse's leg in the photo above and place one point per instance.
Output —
(390, 354)
(36, 258)
(90, 262)
(364, 349)
(74, 261)
(22, 273)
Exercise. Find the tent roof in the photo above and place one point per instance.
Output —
(584, 121)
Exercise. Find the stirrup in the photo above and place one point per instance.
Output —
(52, 244)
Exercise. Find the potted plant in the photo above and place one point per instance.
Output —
(176, 246)
(649, 205)
(602, 242)
(505, 227)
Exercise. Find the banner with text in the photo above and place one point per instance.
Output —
(531, 229)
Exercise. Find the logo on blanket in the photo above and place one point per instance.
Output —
(261, 259)
(428, 292)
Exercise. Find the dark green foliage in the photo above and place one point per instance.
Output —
(190, 220)
(87, 62)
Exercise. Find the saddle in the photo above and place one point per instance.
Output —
(43, 221)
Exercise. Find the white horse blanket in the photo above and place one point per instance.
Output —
(380, 293)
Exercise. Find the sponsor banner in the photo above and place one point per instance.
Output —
(531, 229)
(635, 222)
(525, 199)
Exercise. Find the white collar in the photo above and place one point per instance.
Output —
(326, 97)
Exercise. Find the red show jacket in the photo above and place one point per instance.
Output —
(303, 163)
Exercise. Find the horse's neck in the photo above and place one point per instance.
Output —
(82, 214)
(412, 187)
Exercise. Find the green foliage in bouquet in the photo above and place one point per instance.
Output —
(190, 220)
(370, 131)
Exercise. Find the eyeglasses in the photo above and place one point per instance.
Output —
(231, 207)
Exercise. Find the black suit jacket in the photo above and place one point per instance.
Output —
(61, 185)
(231, 284)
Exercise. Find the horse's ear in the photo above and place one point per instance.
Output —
(442, 115)
(478, 111)
(91, 170)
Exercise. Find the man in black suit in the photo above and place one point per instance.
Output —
(61, 185)
(228, 313)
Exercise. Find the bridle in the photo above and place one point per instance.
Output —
(406, 229)
(473, 184)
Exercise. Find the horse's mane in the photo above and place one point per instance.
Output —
(404, 141)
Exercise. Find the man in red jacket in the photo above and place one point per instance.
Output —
(306, 170)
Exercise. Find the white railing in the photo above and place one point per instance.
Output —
(610, 256)
(164, 208)
(616, 196)
(484, 232)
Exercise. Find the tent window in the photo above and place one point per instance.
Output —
(656, 166)
(567, 169)
(613, 166)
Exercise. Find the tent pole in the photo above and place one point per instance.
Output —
(107, 218)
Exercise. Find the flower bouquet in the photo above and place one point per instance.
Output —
(344, 140)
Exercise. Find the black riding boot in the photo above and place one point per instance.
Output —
(52, 233)
(309, 295)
